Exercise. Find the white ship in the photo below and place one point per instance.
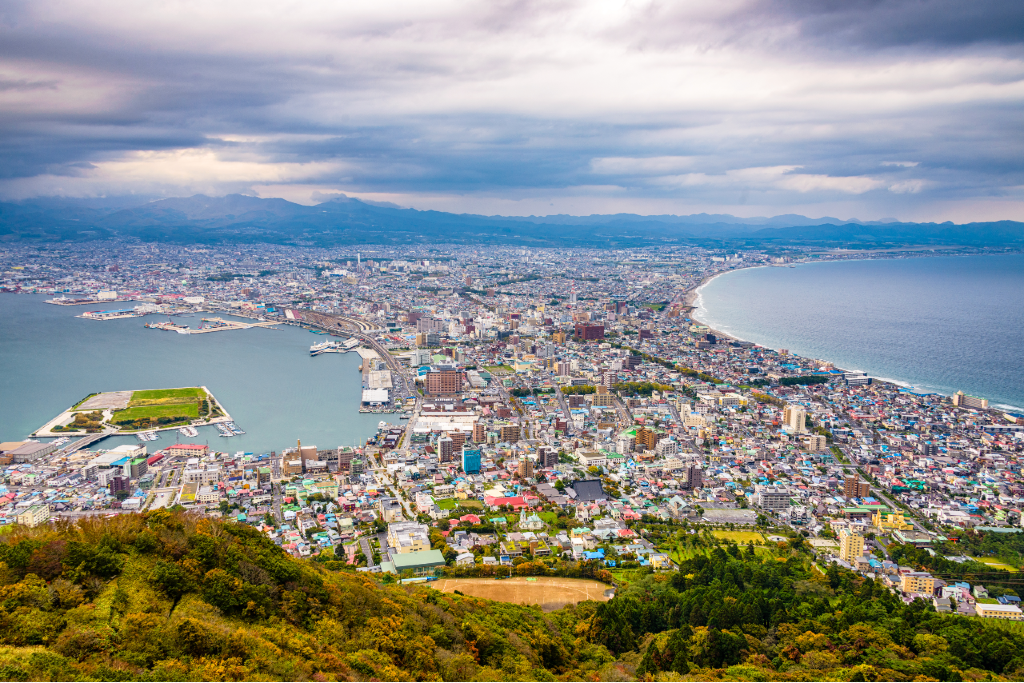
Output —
(328, 346)
(190, 432)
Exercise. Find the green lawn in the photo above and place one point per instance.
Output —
(996, 564)
(182, 410)
(446, 504)
(163, 394)
(498, 368)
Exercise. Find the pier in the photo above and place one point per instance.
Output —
(215, 325)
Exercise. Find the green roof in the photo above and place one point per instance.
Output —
(423, 558)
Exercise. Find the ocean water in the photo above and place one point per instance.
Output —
(939, 324)
(265, 378)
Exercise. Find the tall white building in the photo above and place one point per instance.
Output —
(795, 417)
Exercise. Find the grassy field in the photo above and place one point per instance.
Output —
(180, 410)
(155, 397)
(550, 593)
(996, 564)
(475, 504)
(447, 504)
(739, 536)
(498, 368)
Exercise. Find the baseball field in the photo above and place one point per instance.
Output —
(550, 593)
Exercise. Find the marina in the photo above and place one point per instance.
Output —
(190, 432)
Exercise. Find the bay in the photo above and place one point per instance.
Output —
(265, 378)
(941, 324)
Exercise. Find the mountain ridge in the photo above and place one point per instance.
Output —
(348, 220)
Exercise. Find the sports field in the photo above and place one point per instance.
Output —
(549, 592)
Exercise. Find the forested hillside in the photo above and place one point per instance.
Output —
(170, 596)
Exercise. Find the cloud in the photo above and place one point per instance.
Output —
(777, 178)
(521, 103)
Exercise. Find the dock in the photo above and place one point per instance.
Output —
(221, 325)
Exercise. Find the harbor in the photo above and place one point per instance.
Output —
(245, 372)
(210, 325)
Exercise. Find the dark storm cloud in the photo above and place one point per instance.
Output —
(891, 23)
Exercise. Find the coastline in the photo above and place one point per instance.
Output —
(693, 301)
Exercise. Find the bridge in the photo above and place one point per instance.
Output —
(84, 441)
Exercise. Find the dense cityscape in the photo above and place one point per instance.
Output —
(561, 405)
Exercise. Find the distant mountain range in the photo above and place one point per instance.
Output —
(344, 220)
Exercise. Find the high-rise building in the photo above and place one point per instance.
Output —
(510, 433)
(796, 418)
(444, 382)
(851, 545)
(445, 449)
(547, 457)
(855, 487)
(646, 438)
(471, 460)
(118, 484)
(525, 467)
(694, 477)
(458, 439)
(479, 432)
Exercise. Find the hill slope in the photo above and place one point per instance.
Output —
(172, 596)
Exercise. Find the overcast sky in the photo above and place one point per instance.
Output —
(869, 109)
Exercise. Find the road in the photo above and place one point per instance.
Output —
(565, 410)
(406, 505)
(364, 544)
(625, 417)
